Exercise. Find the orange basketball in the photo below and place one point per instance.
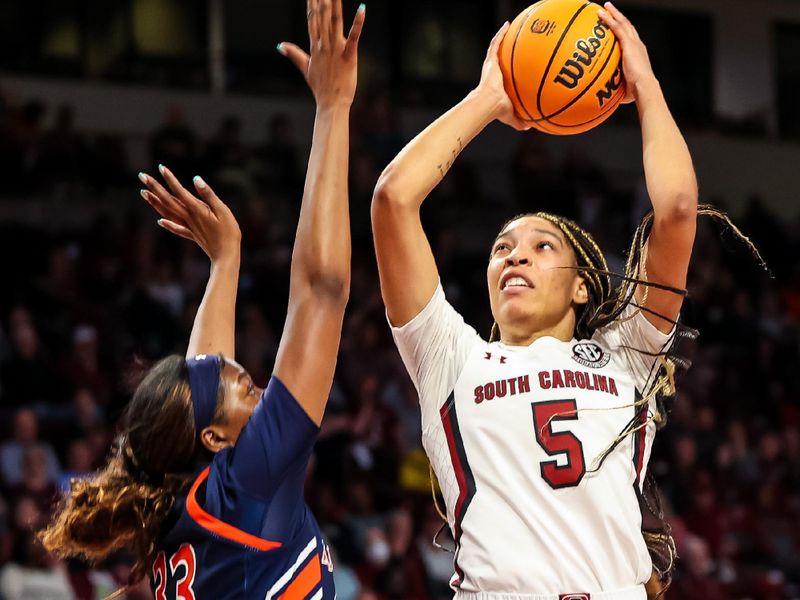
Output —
(562, 67)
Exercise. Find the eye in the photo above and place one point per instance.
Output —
(501, 247)
(545, 245)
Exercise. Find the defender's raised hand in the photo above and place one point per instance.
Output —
(331, 67)
(207, 221)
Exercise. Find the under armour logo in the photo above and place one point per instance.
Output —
(502, 359)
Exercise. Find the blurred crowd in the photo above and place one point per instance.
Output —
(82, 306)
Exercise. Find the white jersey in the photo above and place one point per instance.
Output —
(514, 434)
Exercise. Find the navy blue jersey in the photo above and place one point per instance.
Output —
(243, 530)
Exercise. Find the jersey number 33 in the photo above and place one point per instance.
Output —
(181, 571)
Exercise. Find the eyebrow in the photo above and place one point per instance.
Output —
(552, 234)
(537, 230)
(500, 236)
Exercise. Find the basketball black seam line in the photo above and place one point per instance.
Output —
(513, 53)
(587, 88)
(600, 118)
(605, 113)
(540, 126)
(553, 55)
(610, 108)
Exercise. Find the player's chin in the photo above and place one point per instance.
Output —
(516, 306)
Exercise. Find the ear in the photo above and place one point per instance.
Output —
(581, 293)
(215, 438)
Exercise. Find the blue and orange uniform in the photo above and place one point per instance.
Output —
(243, 530)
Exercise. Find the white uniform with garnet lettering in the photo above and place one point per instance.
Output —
(513, 434)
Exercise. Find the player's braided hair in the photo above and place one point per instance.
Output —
(605, 305)
(151, 464)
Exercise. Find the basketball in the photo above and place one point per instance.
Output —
(562, 67)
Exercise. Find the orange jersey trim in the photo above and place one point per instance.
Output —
(222, 529)
(305, 581)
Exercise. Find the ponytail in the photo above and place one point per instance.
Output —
(153, 460)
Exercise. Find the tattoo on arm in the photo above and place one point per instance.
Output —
(444, 168)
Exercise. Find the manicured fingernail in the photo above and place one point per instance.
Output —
(143, 178)
(609, 5)
(362, 7)
(161, 169)
(601, 12)
(281, 49)
(160, 222)
(143, 194)
(199, 183)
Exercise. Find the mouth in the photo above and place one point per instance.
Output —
(515, 281)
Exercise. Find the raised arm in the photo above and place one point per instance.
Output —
(669, 173)
(320, 274)
(408, 272)
(210, 224)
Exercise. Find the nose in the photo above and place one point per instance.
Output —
(517, 258)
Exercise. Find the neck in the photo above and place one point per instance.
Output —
(524, 334)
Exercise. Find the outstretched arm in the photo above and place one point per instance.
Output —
(669, 173)
(209, 223)
(406, 265)
(320, 273)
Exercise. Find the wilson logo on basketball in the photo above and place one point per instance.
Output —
(590, 355)
(573, 70)
(612, 85)
(543, 26)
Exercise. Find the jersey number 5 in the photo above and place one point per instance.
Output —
(183, 587)
(564, 442)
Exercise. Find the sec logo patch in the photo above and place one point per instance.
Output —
(590, 355)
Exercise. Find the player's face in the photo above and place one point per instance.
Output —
(241, 397)
(530, 290)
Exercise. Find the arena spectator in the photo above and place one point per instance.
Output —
(25, 436)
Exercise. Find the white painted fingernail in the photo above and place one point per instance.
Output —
(143, 178)
(161, 169)
(199, 183)
(143, 194)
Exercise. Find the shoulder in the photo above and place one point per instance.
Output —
(632, 330)
(278, 409)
